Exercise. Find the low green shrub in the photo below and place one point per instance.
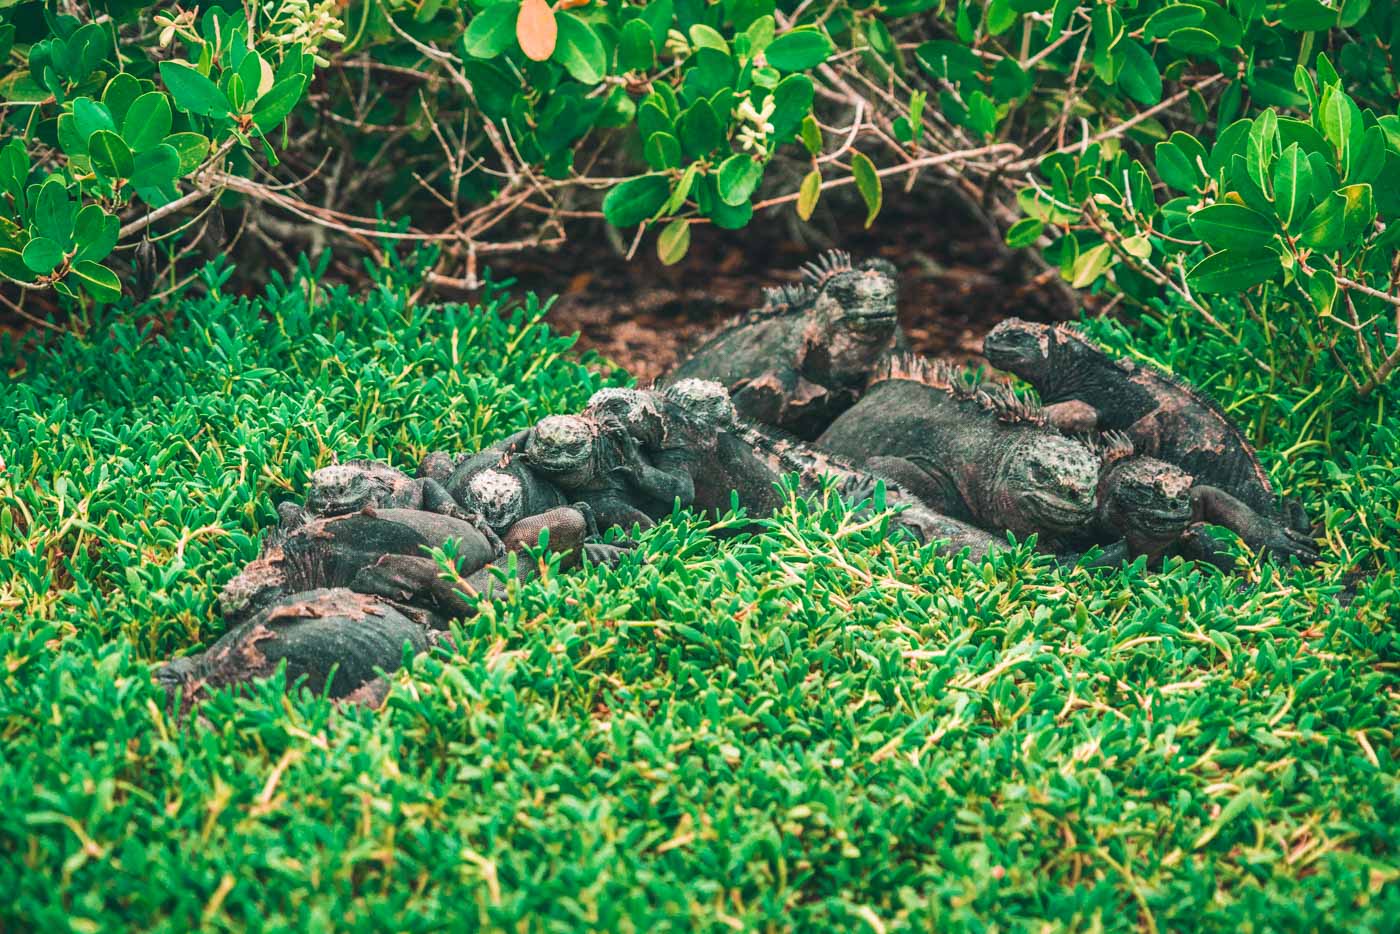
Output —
(808, 728)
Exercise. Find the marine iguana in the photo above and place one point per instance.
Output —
(383, 551)
(1084, 389)
(1156, 509)
(977, 454)
(341, 489)
(337, 639)
(807, 354)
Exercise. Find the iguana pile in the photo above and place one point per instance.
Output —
(806, 355)
(692, 424)
(976, 454)
(686, 431)
(1083, 389)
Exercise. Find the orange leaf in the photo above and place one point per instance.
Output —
(536, 29)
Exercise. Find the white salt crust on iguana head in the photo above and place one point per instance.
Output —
(498, 497)
(704, 400)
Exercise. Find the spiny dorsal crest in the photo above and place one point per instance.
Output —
(312, 567)
(1009, 407)
(779, 299)
(1074, 332)
(827, 267)
(1110, 446)
(936, 373)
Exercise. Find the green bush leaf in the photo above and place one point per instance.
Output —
(1340, 122)
(662, 151)
(1175, 169)
(157, 169)
(193, 92)
(1292, 184)
(1024, 232)
(808, 193)
(13, 265)
(191, 148)
(94, 233)
(14, 169)
(110, 155)
(90, 116)
(792, 103)
(1307, 16)
(42, 255)
(53, 212)
(674, 241)
(731, 216)
(579, 49)
(739, 175)
(147, 121)
(700, 130)
(1325, 226)
(491, 31)
(1233, 271)
(811, 133)
(799, 50)
(1359, 212)
(950, 60)
(868, 184)
(1090, 265)
(635, 50)
(1169, 19)
(99, 281)
(636, 199)
(1369, 158)
(1193, 41)
(1232, 225)
(121, 91)
(1139, 77)
(274, 106)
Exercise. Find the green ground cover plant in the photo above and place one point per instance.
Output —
(811, 727)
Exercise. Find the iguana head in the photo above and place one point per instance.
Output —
(497, 497)
(176, 673)
(258, 582)
(343, 488)
(1021, 347)
(1046, 483)
(637, 411)
(863, 299)
(1147, 500)
(562, 447)
(703, 401)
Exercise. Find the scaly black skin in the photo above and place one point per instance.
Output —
(1083, 389)
(783, 454)
(384, 552)
(341, 489)
(808, 353)
(1156, 509)
(338, 640)
(975, 454)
